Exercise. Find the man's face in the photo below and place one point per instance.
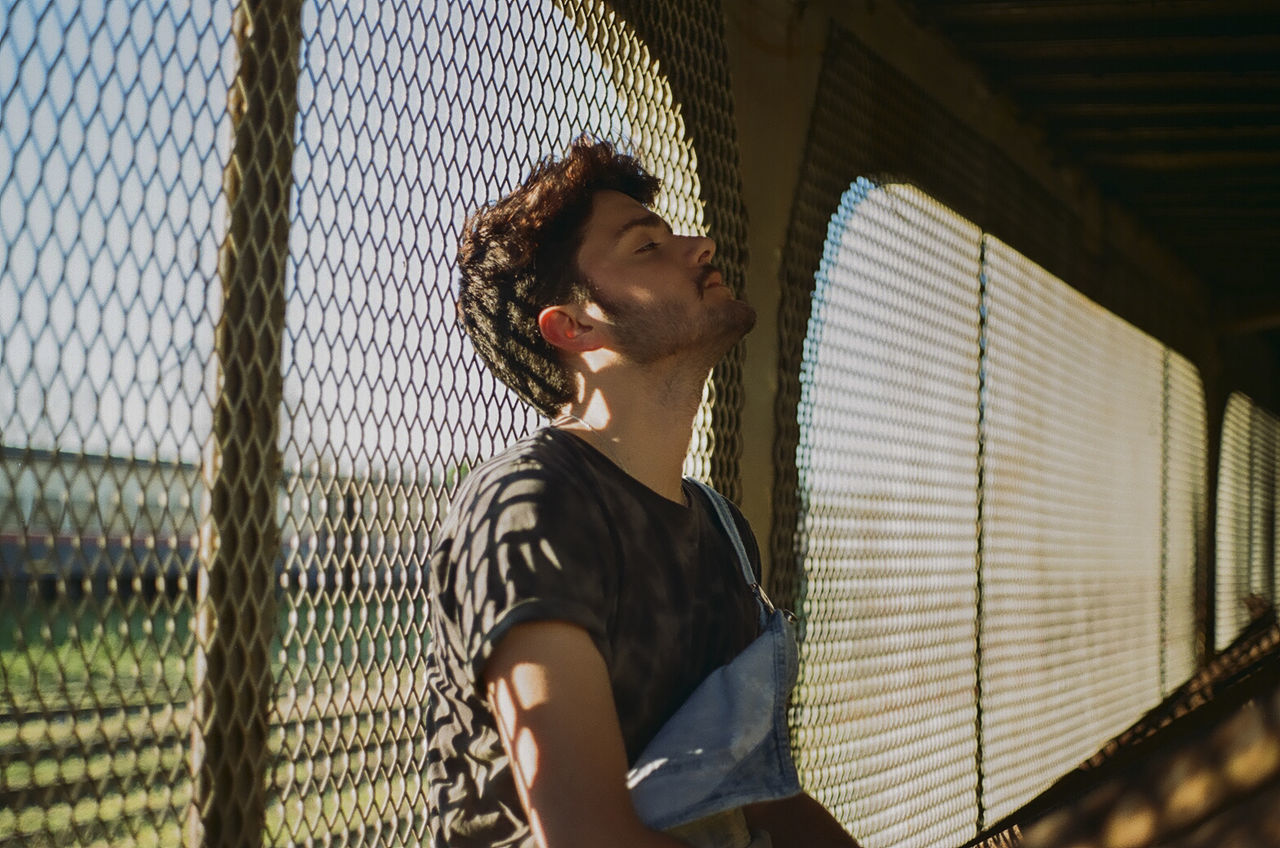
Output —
(660, 290)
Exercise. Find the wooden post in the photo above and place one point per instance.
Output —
(236, 610)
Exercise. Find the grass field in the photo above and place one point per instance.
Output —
(96, 720)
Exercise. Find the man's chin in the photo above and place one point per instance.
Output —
(741, 322)
(745, 315)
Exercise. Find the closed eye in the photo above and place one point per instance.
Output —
(647, 246)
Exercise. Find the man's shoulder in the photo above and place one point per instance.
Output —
(544, 467)
(545, 456)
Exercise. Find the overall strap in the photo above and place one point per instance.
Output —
(720, 507)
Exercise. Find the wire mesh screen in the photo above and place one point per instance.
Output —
(1054, 559)
(887, 460)
(1185, 520)
(1247, 522)
(1001, 508)
(233, 396)
(1075, 571)
(114, 133)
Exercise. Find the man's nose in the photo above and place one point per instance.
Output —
(702, 250)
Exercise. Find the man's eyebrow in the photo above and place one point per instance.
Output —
(648, 219)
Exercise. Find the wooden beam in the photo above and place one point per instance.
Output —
(1167, 137)
(1037, 48)
(1189, 160)
(1156, 97)
(1091, 115)
(1243, 316)
(1183, 83)
(1056, 12)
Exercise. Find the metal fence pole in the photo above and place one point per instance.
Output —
(236, 610)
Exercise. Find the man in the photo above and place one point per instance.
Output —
(581, 590)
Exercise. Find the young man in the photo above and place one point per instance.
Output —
(581, 590)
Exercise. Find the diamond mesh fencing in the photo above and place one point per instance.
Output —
(1184, 516)
(1199, 769)
(887, 461)
(1078, 611)
(233, 394)
(1248, 522)
(998, 508)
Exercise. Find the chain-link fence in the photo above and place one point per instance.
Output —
(997, 511)
(1199, 769)
(887, 462)
(233, 395)
(1088, 612)
(1248, 523)
(998, 554)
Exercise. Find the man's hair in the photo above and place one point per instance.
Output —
(519, 255)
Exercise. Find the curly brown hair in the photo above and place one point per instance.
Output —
(519, 255)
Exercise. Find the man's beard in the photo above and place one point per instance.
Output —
(646, 334)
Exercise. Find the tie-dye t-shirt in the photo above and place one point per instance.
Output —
(553, 529)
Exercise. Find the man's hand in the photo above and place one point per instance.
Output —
(799, 822)
(549, 691)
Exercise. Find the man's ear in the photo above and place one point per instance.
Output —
(569, 329)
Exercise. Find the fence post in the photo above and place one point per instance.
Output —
(236, 597)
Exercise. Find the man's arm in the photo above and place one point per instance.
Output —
(549, 691)
(799, 822)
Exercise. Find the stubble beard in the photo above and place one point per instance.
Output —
(647, 335)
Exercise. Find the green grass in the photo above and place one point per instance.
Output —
(74, 655)
(340, 757)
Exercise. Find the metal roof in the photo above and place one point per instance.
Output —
(1173, 109)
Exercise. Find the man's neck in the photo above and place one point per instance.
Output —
(645, 429)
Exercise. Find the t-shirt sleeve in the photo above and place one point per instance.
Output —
(525, 545)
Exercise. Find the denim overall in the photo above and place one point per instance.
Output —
(728, 744)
